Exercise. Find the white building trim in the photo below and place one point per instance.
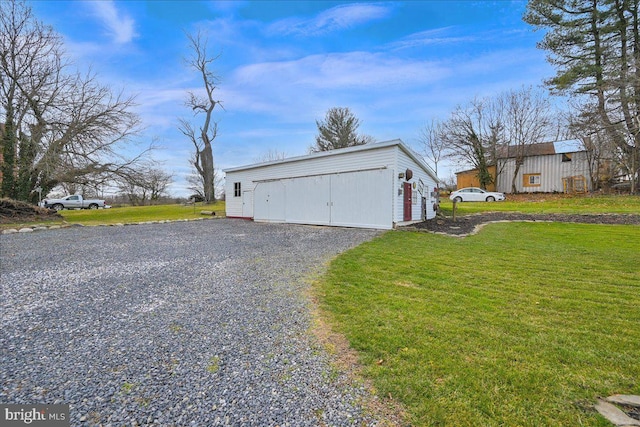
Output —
(361, 186)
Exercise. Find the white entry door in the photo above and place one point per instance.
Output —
(247, 204)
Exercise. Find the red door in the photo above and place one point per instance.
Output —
(407, 201)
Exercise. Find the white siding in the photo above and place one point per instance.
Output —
(356, 186)
(551, 169)
(405, 162)
(346, 162)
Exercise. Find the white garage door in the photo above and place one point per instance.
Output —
(352, 199)
(308, 200)
(362, 199)
(268, 201)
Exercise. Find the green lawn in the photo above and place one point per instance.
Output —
(132, 214)
(128, 215)
(550, 203)
(523, 324)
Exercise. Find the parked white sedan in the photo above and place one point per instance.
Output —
(474, 194)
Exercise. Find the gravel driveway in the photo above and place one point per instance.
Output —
(189, 323)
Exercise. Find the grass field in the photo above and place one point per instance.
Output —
(128, 215)
(542, 203)
(131, 214)
(551, 203)
(523, 324)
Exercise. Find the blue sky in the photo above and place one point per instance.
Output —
(283, 64)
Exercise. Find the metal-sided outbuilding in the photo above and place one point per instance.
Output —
(378, 185)
(547, 167)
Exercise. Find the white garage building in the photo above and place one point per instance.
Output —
(378, 185)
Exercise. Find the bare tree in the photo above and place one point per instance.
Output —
(528, 119)
(271, 155)
(603, 155)
(148, 184)
(475, 133)
(339, 129)
(59, 125)
(487, 129)
(206, 133)
(434, 145)
(157, 182)
(196, 184)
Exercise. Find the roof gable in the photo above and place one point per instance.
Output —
(371, 146)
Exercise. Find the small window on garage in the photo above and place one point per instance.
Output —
(566, 157)
(237, 189)
(531, 180)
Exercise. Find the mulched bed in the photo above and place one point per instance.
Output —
(631, 411)
(467, 224)
(12, 211)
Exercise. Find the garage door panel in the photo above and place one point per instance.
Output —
(308, 200)
(350, 199)
(269, 201)
(362, 199)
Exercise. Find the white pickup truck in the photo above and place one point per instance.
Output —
(73, 202)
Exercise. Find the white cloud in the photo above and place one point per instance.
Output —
(120, 26)
(341, 70)
(437, 36)
(334, 19)
(302, 90)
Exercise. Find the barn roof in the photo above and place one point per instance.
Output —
(543, 149)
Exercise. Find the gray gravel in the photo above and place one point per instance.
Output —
(182, 324)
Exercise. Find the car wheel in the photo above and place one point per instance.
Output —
(57, 207)
(457, 199)
(491, 199)
(93, 206)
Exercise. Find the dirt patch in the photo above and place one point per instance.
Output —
(12, 211)
(388, 411)
(467, 224)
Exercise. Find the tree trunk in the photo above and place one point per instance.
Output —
(206, 162)
(8, 157)
(514, 188)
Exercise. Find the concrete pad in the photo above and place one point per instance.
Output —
(615, 415)
(624, 399)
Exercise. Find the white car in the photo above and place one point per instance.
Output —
(474, 194)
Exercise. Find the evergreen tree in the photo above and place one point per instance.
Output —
(595, 47)
(339, 129)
